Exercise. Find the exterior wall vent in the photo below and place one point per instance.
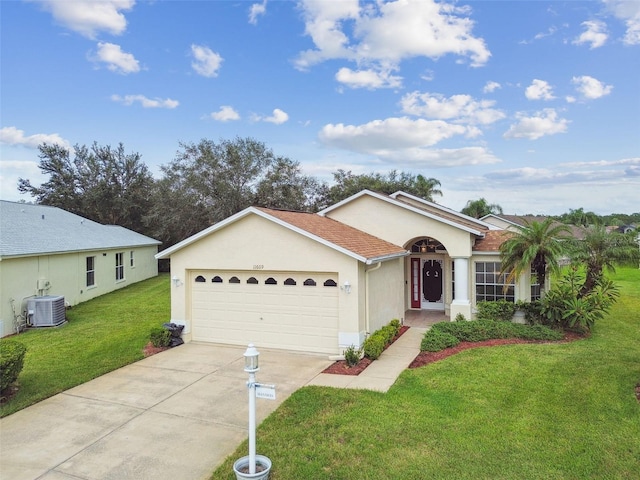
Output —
(47, 311)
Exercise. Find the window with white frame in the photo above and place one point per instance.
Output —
(91, 271)
(132, 263)
(119, 266)
(535, 286)
(491, 285)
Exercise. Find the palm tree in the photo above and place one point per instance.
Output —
(537, 245)
(479, 208)
(600, 251)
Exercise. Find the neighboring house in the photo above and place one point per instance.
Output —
(321, 282)
(49, 252)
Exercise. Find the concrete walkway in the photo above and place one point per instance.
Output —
(382, 373)
(176, 415)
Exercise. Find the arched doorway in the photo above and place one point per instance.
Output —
(427, 274)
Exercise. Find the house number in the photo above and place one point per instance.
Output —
(258, 267)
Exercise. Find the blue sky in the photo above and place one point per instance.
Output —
(534, 105)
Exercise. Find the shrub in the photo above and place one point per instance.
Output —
(352, 355)
(373, 346)
(388, 332)
(395, 323)
(434, 341)
(460, 318)
(160, 337)
(11, 361)
(439, 336)
(497, 310)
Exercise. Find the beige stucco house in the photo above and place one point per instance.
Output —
(48, 253)
(322, 282)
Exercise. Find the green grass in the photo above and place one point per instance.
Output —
(102, 335)
(550, 411)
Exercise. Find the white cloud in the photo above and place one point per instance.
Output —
(604, 163)
(458, 108)
(629, 13)
(115, 59)
(595, 34)
(225, 114)
(590, 87)
(384, 34)
(90, 17)
(542, 123)
(13, 170)
(539, 90)
(390, 134)
(206, 62)
(370, 79)
(146, 102)
(278, 117)
(15, 137)
(491, 87)
(256, 10)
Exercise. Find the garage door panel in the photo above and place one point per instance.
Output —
(295, 317)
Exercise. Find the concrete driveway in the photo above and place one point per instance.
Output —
(175, 415)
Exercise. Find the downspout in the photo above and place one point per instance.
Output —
(366, 296)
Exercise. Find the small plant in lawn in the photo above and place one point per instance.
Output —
(160, 337)
(352, 355)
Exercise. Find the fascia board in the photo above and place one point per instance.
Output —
(384, 258)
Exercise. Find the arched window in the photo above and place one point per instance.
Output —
(200, 279)
(216, 279)
(234, 280)
(330, 283)
(290, 281)
(270, 281)
(309, 282)
(252, 280)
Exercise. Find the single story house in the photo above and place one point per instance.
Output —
(47, 253)
(322, 282)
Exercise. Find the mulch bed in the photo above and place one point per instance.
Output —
(425, 358)
(149, 349)
(341, 368)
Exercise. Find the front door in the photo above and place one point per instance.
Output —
(427, 290)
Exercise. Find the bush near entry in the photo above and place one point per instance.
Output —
(376, 342)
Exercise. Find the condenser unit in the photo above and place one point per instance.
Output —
(47, 311)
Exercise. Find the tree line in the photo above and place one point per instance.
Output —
(205, 183)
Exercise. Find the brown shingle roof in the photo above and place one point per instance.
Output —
(491, 241)
(523, 220)
(349, 238)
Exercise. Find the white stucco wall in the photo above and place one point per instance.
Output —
(66, 274)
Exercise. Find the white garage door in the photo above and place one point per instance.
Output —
(288, 310)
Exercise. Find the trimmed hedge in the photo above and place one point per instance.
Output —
(496, 310)
(375, 343)
(11, 361)
(479, 330)
(160, 337)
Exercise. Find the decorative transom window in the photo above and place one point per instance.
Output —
(491, 285)
(330, 283)
(270, 281)
(234, 280)
(309, 282)
(252, 280)
(427, 245)
(200, 279)
(216, 279)
(290, 281)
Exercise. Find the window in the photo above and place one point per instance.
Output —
(131, 262)
(270, 281)
(91, 271)
(289, 281)
(234, 280)
(200, 279)
(309, 282)
(330, 283)
(535, 286)
(252, 280)
(490, 284)
(119, 266)
(216, 279)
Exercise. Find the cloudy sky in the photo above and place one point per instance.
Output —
(534, 105)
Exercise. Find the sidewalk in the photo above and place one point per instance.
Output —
(382, 373)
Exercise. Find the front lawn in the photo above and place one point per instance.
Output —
(102, 335)
(536, 411)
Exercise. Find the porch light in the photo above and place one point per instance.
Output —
(251, 359)
(347, 287)
(176, 281)
(423, 247)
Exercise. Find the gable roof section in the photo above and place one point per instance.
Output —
(444, 215)
(343, 238)
(491, 241)
(28, 229)
(524, 220)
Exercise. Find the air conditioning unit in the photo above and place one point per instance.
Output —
(47, 311)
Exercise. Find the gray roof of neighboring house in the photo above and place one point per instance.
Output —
(27, 229)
